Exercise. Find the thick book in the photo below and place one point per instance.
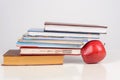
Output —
(13, 58)
(49, 51)
(68, 27)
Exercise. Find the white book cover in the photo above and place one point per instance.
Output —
(60, 28)
(57, 34)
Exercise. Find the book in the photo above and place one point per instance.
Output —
(68, 27)
(13, 58)
(63, 34)
(27, 37)
(55, 41)
(49, 51)
(32, 44)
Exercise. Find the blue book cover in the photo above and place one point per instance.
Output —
(58, 38)
(32, 44)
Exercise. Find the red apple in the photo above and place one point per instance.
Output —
(93, 52)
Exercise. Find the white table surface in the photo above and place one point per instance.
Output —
(72, 69)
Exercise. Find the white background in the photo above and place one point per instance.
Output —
(16, 16)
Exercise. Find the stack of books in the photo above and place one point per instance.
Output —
(48, 45)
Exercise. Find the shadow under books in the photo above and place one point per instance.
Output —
(73, 59)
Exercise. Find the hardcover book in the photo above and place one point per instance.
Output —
(13, 58)
(68, 27)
